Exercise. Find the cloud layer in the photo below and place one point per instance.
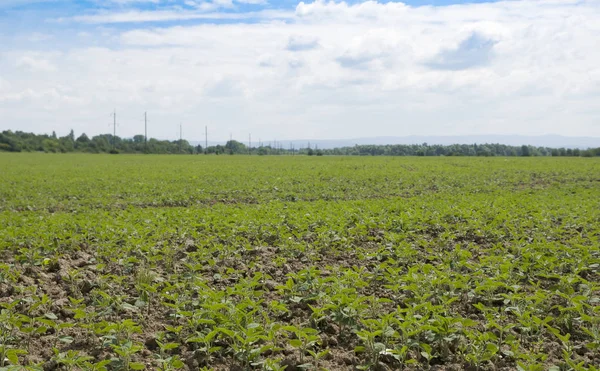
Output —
(323, 70)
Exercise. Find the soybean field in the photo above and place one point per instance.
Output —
(132, 262)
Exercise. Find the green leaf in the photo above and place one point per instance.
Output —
(51, 316)
(13, 355)
(492, 348)
(195, 339)
(227, 332)
(592, 346)
(170, 346)
(46, 322)
(426, 347)
(41, 330)
(467, 322)
(177, 363)
(137, 366)
(296, 343)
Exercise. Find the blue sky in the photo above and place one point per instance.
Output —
(36, 14)
(314, 69)
(71, 5)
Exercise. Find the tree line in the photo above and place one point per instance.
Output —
(484, 150)
(19, 141)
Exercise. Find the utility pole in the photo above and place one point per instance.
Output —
(115, 128)
(146, 131)
(206, 139)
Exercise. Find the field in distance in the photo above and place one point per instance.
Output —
(132, 262)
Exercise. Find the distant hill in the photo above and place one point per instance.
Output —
(553, 141)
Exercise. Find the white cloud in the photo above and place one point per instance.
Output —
(298, 43)
(325, 70)
(266, 60)
(210, 5)
(4, 85)
(34, 64)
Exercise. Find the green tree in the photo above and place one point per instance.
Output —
(50, 145)
(235, 147)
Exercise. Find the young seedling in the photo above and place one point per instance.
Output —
(305, 339)
(166, 361)
(125, 350)
(207, 348)
(71, 359)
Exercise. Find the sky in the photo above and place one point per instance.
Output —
(282, 69)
